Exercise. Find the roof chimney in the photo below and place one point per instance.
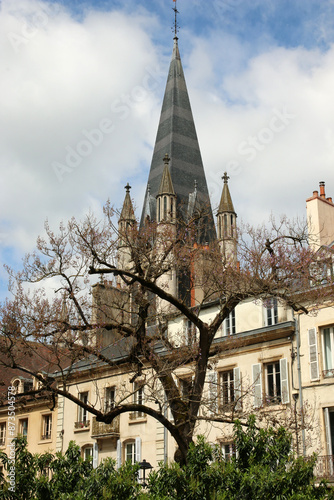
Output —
(322, 189)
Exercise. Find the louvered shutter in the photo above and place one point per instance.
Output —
(213, 391)
(313, 351)
(95, 455)
(119, 454)
(257, 383)
(285, 395)
(328, 437)
(138, 455)
(237, 387)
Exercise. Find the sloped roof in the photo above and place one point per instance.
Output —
(226, 204)
(177, 137)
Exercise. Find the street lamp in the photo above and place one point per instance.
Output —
(144, 466)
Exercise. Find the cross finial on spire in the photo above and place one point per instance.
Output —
(225, 177)
(166, 159)
(176, 26)
(127, 188)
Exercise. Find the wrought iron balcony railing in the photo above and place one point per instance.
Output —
(324, 467)
(100, 429)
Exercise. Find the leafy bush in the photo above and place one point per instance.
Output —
(265, 467)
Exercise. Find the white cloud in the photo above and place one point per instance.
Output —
(62, 79)
(274, 164)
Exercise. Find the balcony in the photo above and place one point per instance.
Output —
(100, 429)
(324, 467)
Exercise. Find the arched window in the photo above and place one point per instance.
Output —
(159, 210)
(87, 452)
(165, 207)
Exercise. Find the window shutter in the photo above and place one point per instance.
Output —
(95, 455)
(328, 431)
(284, 381)
(313, 351)
(138, 455)
(257, 383)
(119, 454)
(237, 387)
(213, 392)
(138, 449)
(329, 443)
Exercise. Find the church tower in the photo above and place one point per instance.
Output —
(227, 224)
(177, 138)
(126, 227)
(166, 234)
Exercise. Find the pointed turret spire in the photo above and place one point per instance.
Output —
(227, 229)
(127, 213)
(177, 136)
(226, 204)
(166, 184)
(166, 197)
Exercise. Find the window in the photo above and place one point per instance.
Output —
(328, 351)
(128, 451)
(138, 399)
(165, 208)
(109, 402)
(273, 383)
(27, 385)
(229, 324)
(190, 332)
(185, 387)
(228, 451)
(82, 412)
(23, 427)
(224, 390)
(2, 433)
(270, 383)
(46, 426)
(87, 452)
(226, 385)
(271, 312)
(18, 386)
(91, 452)
(329, 428)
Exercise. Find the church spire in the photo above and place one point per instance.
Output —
(166, 198)
(127, 213)
(177, 137)
(226, 223)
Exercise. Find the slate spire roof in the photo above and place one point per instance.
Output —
(226, 204)
(127, 212)
(166, 184)
(177, 138)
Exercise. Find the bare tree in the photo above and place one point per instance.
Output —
(131, 271)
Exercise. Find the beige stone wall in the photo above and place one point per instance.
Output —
(34, 414)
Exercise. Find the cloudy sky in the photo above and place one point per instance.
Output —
(81, 88)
